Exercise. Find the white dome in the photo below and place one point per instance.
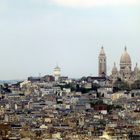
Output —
(125, 58)
(57, 71)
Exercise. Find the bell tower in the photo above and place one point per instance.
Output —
(102, 63)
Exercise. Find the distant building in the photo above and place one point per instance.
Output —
(57, 73)
(125, 73)
(48, 78)
(34, 79)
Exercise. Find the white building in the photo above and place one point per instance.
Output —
(57, 73)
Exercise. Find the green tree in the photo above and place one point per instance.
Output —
(121, 85)
(136, 85)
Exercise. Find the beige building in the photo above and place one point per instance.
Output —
(125, 72)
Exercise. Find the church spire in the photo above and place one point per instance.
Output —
(102, 52)
(125, 48)
(102, 63)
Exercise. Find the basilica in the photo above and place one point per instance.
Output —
(125, 72)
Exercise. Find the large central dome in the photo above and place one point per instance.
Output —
(125, 61)
(125, 58)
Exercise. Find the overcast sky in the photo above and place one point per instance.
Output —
(36, 35)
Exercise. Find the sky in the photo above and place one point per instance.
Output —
(37, 35)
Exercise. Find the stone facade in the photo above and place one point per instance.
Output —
(125, 73)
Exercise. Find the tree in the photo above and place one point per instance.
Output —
(136, 85)
(95, 86)
(121, 85)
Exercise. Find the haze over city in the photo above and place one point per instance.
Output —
(36, 35)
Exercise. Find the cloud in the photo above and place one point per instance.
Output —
(94, 3)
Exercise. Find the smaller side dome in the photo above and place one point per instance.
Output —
(136, 69)
(114, 70)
